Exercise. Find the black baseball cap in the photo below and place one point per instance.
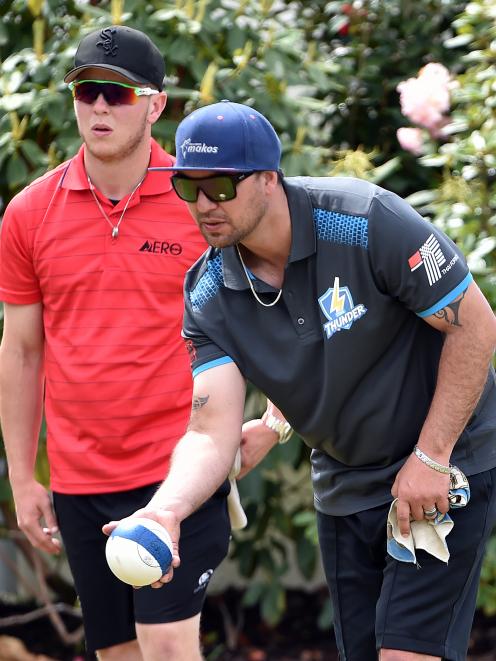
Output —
(123, 50)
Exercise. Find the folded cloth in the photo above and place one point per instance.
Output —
(237, 514)
(428, 534)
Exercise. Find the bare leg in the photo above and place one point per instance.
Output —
(175, 641)
(401, 655)
(125, 652)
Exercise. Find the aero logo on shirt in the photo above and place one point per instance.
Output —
(161, 247)
(430, 255)
(337, 305)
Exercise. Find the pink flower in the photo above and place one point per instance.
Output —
(435, 71)
(411, 140)
(424, 99)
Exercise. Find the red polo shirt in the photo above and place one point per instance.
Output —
(118, 381)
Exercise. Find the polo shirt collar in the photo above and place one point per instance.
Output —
(159, 181)
(303, 240)
(156, 182)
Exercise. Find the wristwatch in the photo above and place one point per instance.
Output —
(281, 427)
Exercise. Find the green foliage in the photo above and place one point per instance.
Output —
(487, 587)
(358, 52)
(322, 91)
(278, 502)
(325, 73)
(464, 202)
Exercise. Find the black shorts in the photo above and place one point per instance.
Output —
(382, 603)
(110, 607)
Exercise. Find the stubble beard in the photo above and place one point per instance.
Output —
(112, 153)
(237, 234)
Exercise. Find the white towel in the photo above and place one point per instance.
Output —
(428, 534)
(237, 514)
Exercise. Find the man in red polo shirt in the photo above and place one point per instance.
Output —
(93, 256)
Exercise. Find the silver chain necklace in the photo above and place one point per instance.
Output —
(115, 228)
(266, 305)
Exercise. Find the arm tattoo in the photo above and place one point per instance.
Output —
(451, 312)
(199, 402)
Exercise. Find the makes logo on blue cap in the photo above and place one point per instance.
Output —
(198, 147)
(227, 136)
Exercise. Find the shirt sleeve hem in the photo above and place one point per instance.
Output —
(212, 363)
(448, 298)
(17, 298)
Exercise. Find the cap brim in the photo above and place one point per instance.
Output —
(73, 73)
(205, 167)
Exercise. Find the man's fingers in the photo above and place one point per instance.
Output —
(108, 527)
(42, 538)
(44, 541)
(49, 517)
(53, 546)
(403, 516)
(442, 504)
(52, 543)
(416, 511)
(430, 512)
(53, 530)
(166, 578)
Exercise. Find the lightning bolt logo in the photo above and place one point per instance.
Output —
(338, 300)
(337, 305)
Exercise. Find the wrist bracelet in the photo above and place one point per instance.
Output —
(440, 468)
(282, 427)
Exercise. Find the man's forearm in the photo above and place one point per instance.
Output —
(21, 406)
(199, 466)
(462, 373)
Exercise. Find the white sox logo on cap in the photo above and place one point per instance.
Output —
(108, 42)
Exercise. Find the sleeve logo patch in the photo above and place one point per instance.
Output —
(338, 307)
(431, 257)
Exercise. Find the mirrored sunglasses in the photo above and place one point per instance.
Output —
(114, 93)
(218, 187)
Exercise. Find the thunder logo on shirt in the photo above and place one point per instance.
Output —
(337, 305)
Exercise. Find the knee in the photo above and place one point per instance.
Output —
(175, 640)
(172, 645)
(129, 651)
(402, 655)
(393, 655)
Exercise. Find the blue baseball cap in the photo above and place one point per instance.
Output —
(227, 136)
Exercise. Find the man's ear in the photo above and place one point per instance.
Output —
(156, 107)
(271, 180)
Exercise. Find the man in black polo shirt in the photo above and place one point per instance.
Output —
(362, 323)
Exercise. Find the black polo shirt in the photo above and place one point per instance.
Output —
(345, 353)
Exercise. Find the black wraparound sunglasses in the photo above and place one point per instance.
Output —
(218, 187)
